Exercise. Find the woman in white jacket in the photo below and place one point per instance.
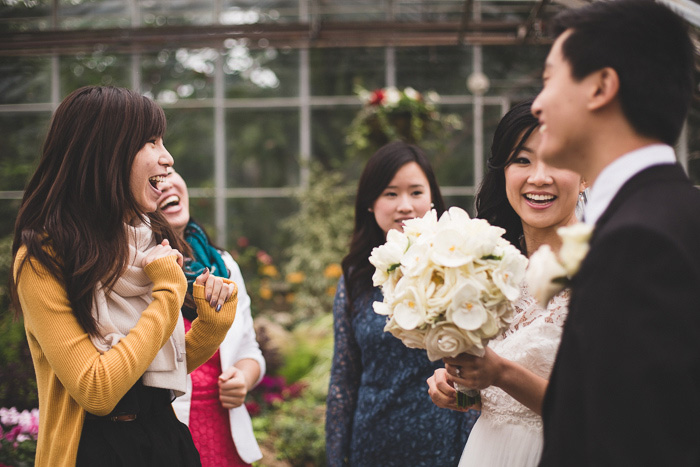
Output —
(213, 404)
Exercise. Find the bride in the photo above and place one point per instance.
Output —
(530, 200)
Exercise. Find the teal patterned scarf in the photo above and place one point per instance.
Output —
(204, 256)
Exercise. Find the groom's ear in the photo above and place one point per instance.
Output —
(605, 86)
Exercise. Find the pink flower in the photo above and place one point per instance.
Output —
(252, 406)
(272, 397)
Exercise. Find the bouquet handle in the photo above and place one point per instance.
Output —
(467, 397)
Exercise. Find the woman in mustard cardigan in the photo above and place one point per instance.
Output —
(98, 281)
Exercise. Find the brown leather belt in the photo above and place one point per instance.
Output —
(127, 417)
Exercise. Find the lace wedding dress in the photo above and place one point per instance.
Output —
(508, 434)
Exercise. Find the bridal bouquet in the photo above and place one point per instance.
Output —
(448, 284)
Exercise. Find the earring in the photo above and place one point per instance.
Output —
(369, 210)
(581, 197)
(432, 205)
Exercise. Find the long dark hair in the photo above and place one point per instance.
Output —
(376, 176)
(492, 204)
(71, 219)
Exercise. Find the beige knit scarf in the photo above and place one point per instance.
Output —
(118, 311)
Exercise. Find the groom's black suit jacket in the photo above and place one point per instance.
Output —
(625, 388)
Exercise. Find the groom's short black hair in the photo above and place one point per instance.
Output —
(648, 46)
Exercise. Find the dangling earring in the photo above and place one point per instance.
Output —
(582, 197)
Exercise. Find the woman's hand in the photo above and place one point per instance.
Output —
(475, 372)
(161, 251)
(217, 291)
(441, 391)
(232, 387)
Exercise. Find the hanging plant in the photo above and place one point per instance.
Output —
(390, 114)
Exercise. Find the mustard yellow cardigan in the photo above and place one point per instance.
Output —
(73, 377)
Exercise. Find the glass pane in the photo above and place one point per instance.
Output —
(96, 68)
(93, 14)
(262, 148)
(8, 212)
(21, 137)
(441, 69)
(266, 72)
(190, 140)
(177, 12)
(464, 202)
(259, 11)
(202, 209)
(18, 16)
(514, 70)
(254, 221)
(336, 72)
(329, 126)
(171, 75)
(25, 80)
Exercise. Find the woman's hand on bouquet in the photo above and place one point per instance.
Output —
(474, 372)
(161, 251)
(232, 387)
(217, 291)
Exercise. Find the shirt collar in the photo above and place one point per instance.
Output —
(619, 172)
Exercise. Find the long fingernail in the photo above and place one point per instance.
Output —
(209, 299)
(212, 303)
(218, 307)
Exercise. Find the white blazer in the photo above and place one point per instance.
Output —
(238, 344)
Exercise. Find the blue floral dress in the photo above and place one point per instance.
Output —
(378, 410)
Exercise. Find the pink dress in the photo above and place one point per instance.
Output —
(209, 421)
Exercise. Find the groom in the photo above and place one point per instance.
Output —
(625, 389)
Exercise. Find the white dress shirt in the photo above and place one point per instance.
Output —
(619, 172)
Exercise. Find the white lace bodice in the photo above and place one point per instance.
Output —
(531, 341)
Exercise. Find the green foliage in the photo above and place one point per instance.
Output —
(17, 379)
(391, 114)
(320, 233)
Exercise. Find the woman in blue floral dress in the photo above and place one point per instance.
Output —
(378, 410)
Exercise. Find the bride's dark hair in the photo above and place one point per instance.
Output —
(376, 176)
(492, 204)
(72, 216)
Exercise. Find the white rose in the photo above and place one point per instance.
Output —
(413, 339)
(574, 245)
(545, 276)
(447, 340)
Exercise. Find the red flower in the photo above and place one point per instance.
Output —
(377, 97)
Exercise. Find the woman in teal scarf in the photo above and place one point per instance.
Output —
(213, 405)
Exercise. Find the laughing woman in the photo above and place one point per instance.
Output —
(530, 200)
(98, 281)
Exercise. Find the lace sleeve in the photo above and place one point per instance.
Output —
(344, 382)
